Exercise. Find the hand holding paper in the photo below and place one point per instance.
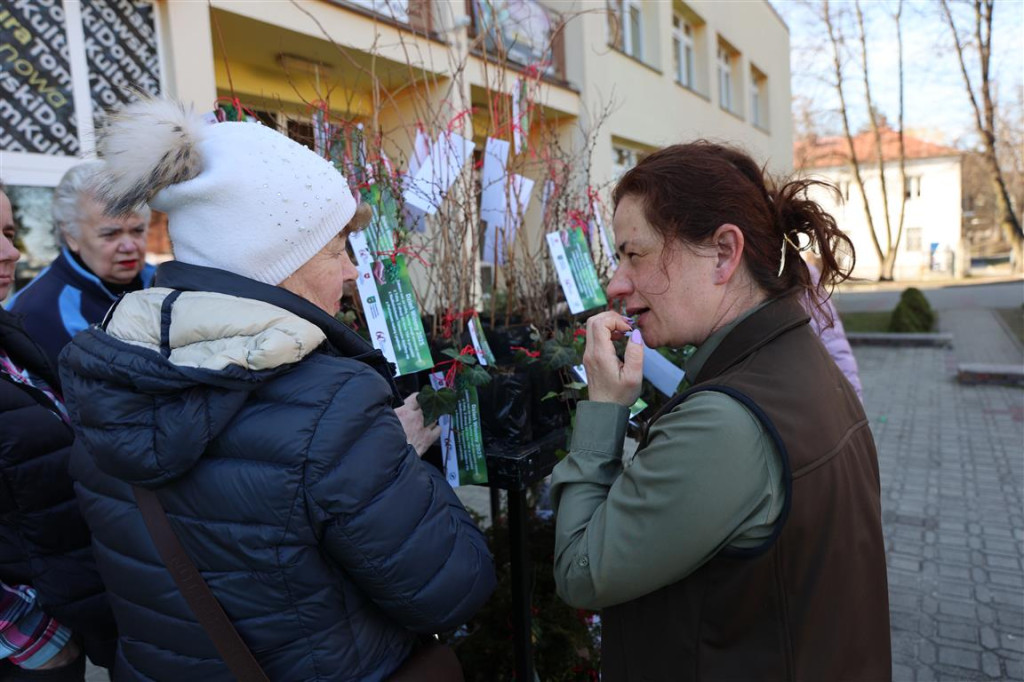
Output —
(612, 380)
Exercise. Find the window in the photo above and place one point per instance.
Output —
(726, 81)
(625, 155)
(844, 189)
(392, 9)
(682, 50)
(913, 187)
(301, 132)
(626, 26)
(914, 239)
(758, 98)
(623, 158)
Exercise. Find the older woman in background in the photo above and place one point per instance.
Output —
(102, 256)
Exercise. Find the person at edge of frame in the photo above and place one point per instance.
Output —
(53, 608)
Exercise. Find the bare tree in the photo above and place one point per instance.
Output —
(837, 39)
(985, 114)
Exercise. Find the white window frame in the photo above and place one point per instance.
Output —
(683, 46)
(725, 81)
(758, 98)
(918, 234)
(844, 188)
(913, 188)
(627, 10)
(619, 169)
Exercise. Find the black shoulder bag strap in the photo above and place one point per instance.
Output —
(200, 599)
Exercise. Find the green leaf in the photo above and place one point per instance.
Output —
(436, 403)
(549, 395)
(473, 376)
(455, 355)
(576, 385)
(557, 356)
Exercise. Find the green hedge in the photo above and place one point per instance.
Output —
(913, 314)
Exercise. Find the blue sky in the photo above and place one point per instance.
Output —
(934, 93)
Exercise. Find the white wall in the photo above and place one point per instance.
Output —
(652, 110)
(936, 212)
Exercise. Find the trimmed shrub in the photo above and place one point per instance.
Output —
(913, 314)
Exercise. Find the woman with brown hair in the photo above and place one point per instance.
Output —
(743, 540)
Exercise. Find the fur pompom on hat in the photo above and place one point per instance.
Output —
(238, 196)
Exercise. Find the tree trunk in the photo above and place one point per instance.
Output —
(984, 119)
(837, 67)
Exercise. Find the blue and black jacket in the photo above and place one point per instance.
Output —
(64, 299)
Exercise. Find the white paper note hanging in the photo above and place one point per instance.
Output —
(433, 179)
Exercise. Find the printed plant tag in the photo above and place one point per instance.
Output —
(575, 268)
(462, 441)
(389, 304)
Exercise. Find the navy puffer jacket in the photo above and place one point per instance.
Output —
(44, 541)
(268, 432)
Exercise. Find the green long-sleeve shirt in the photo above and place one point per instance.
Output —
(710, 477)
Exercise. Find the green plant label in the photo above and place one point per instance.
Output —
(389, 304)
(380, 233)
(575, 268)
(462, 441)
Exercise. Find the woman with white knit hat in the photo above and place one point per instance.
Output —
(265, 428)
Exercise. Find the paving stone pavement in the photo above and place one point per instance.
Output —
(952, 466)
(980, 336)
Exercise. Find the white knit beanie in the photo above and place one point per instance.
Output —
(238, 196)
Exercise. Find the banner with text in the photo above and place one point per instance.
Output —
(37, 110)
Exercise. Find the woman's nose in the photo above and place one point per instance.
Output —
(349, 272)
(8, 251)
(620, 285)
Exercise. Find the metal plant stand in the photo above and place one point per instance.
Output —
(514, 470)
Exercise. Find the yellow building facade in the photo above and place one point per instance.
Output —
(608, 79)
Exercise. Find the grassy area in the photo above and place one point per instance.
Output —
(1014, 319)
(875, 321)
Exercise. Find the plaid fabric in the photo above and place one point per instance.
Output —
(28, 637)
(22, 376)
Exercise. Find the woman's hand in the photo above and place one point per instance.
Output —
(420, 437)
(609, 379)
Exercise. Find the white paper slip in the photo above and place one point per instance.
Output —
(420, 151)
(438, 172)
(492, 182)
(662, 374)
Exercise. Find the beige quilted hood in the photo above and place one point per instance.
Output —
(213, 331)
